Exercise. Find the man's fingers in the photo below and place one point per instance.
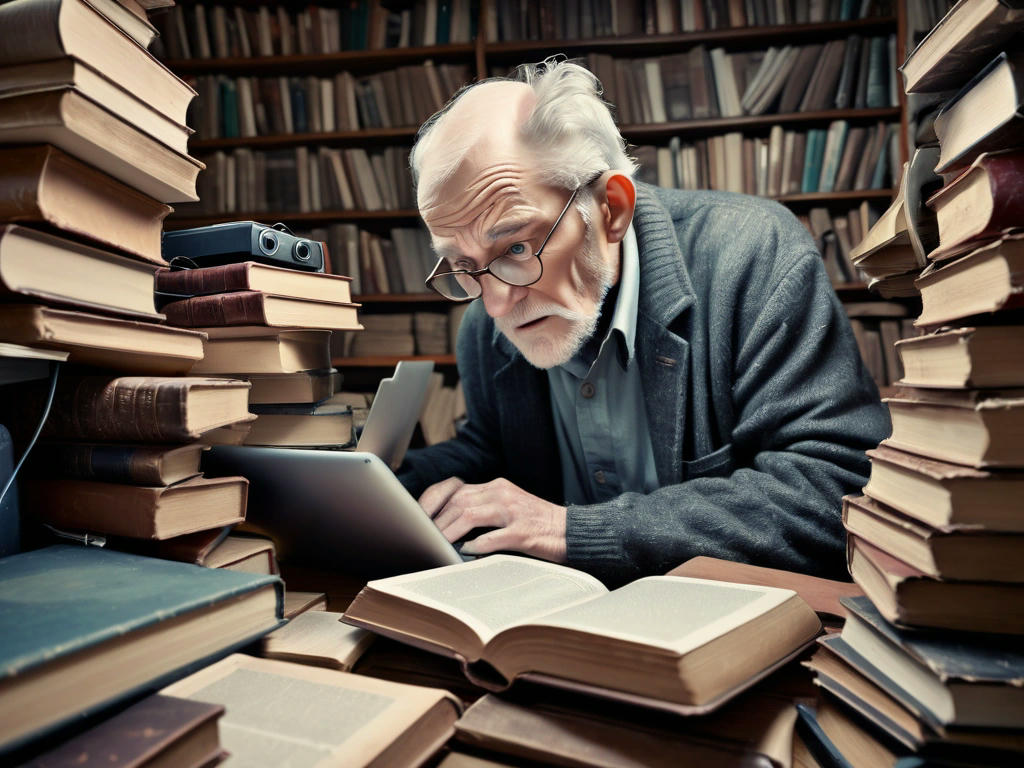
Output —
(455, 524)
(436, 496)
(500, 539)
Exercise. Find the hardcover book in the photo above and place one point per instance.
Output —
(277, 711)
(318, 638)
(567, 630)
(103, 607)
(981, 356)
(43, 185)
(119, 463)
(253, 276)
(300, 387)
(261, 350)
(327, 424)
(255, 308)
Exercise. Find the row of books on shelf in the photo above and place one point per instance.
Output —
(584, 19)
(851, 73)
(836, 159)
(304, 179)
(403, 334)
(204, 31)
(259, 106)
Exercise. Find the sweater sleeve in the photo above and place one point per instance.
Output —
(805, 412)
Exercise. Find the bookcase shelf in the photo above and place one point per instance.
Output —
(335, 139)
(388, 361)
(356, 62)
(286, 217)
(716, 125)
(647, 45)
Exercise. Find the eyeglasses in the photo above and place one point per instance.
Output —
(519, 265)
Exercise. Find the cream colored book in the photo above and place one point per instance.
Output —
(318, 638)
(672, 642)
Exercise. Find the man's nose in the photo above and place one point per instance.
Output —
(499, 297)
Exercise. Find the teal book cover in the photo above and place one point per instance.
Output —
(82, 628)
(812, 160)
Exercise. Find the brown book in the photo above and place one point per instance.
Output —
(302, 426)
(821, 594)
(663, 632)
(144, 409)
(982, 356)
(986, 116)
(561, 729)
(84, 129)
(105, 342)
(247, 554)
(38, 265)
(138, 512)
(977, 433)
(989, 279)
(317, 638)
(300, 387)
(258, 349)
(852, 738)
(296, 603)
(43, 185)
(159, 730)
(907, 596)
(43, 30)
(980, 204)
(945, 495)
(799, 78)
(253, 276)
(956, 554)
(114, 463)
(359, 721)
(255, 308)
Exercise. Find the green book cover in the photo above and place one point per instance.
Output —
(812, 160)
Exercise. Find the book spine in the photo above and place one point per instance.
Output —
(239, 308)
(202, 282)
(129, 409)
(31, 32)
(89, 506)
(138, 465)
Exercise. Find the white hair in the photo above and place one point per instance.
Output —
(570, 130)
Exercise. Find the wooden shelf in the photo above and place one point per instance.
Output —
(388, 361)
(324, 63)
(735, 38)
(311, 218)
(334, 138)
(715, 125)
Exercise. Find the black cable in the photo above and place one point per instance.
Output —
(32, 442)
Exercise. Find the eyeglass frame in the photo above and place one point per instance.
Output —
(486, 270)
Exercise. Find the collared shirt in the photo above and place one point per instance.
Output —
(598, 402)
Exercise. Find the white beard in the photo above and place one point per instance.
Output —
(548, 348)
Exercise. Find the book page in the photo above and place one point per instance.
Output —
(495, 592)
(671, 612)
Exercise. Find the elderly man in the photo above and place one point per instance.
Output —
(649, 374)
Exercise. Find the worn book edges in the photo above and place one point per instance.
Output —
(144, 409)
(300, 387)
(359, 721)
(120, 463)
(261, 350)
(128, 346)
(301, 425)
(43, 185)
(84, 129)
(253, 276)
(969, 35)
(959, 679)
(965, 554)
(980, 204)
(981, 356)
(297, 602)
(576, 634)
(38, 266)
(985, 116)
(318, 638)
(159, 730)
(255, 308)
(137, 512)
(104, 607)
(943, 494)
(909, 597)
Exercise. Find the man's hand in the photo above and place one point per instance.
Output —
(522, 522)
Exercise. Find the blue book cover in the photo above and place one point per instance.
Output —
(812, 160)
(82, 628)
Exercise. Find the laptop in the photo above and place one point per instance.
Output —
(344, 510)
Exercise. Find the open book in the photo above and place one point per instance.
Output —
(673, 642)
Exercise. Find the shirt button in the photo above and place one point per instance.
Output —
(587, 390)
(599, 477)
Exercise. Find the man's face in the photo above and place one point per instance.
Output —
(550, 320)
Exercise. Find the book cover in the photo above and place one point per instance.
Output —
(256, 308)
(71, 614)
(119, 463)
(253, 276)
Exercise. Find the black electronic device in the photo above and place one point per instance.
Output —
(235, 241)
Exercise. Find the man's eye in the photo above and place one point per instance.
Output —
(518, 250)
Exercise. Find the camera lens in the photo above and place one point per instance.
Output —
(268, 242)
(302, 251)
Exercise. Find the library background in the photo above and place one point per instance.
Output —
(145, 620)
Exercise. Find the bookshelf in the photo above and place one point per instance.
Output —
(489, 53)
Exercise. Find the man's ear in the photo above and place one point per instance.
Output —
(617, 208)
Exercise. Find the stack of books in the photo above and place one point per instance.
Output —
(929, 660)
(271, 326)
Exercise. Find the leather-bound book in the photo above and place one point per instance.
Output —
(256, 308)
(253, 276)
(111, 462)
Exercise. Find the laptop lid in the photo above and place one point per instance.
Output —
(343, 510)
(395, 410)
